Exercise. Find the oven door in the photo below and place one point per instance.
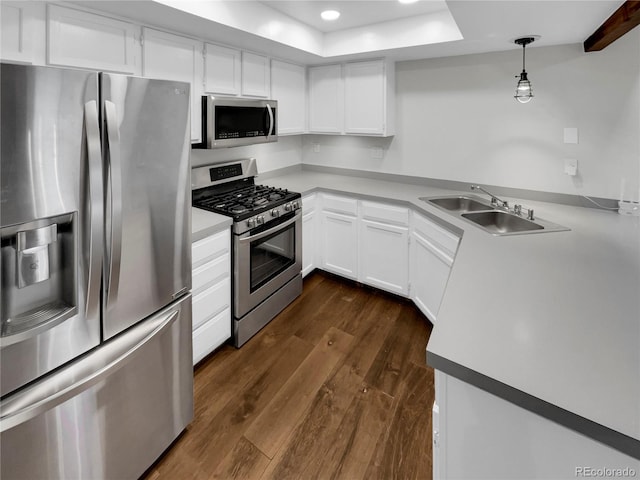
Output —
(265, 259)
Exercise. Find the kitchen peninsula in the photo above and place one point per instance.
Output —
(537, 319)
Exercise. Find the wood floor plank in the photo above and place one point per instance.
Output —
(245, 461)
(276, 422)
(345, 302)
(405, 451)
(300, 312)
(289, 405)
(212, 442)
(355, 442)
(373, 326)
(314, 435)
(401, 346)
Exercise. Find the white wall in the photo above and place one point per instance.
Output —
(457, 120)
(269, 156)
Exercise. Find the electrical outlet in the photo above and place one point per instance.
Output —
(316, 147)
(570, 166)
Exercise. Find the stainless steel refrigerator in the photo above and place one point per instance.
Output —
(95, 343)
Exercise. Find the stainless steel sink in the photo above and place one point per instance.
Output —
(495, 220)
(459, 203)
(501, 223)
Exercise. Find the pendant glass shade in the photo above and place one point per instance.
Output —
(524, 93)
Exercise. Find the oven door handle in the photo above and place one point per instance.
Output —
(266, 233)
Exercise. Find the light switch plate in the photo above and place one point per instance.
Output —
(570, 135)
(316, 147)
(376, 152)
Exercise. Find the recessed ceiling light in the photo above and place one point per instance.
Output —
(330, 15)
(407, 1)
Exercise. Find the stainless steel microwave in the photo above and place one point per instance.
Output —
(232, 122)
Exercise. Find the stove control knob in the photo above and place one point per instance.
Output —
(295, 204)
(251, 223)
(288, 207)
(260, 219)
(275, 212)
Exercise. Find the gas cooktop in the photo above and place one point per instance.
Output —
(241, 201)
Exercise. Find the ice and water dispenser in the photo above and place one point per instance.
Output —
(39, 275)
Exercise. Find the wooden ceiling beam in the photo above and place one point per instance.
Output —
(620, 22)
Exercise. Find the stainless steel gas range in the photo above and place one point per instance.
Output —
(267, 241)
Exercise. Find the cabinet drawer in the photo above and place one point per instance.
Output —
(382, 212)
(209, 248)
(210, 273)
(211, 335)
(211, 302)
(431, 231)
(335, 203)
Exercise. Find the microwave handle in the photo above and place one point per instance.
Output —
(270, 112)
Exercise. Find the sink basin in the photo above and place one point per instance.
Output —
(500, 223)
(458, 203)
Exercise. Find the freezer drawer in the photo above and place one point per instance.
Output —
(108, 415)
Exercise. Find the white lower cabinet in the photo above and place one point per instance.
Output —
(432, 252)
(309, 234)
(211, 299)
(480, 435)
(340, 244)
(379, 244)
(383, 247)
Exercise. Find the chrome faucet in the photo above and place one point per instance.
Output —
(495, 201)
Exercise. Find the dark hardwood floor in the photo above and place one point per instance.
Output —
(335, 387)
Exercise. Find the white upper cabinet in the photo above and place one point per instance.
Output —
(356, 98)
(222, 70)
(288, 87)
(17, 31)
(84, 40)
(365, 88)
(172, 57)
(256, 78)
(326, 99)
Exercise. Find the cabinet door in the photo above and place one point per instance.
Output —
(384, 256)
(222, 70)
(256, 78)
(364, 84)
(17, 31)
(309, 232)
(84, 40)
(172, 57)
(340, 244)
(326, 99)
(288, 87)
(429, 272)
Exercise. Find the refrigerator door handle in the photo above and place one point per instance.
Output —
(115, 182)
(92, 129)
(82, 375)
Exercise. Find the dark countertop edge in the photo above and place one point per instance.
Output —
(521, 193)
(616, 440)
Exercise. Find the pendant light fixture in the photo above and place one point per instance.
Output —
(524, 94)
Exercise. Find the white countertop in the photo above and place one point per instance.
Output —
(555, 315)
(204, 223)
